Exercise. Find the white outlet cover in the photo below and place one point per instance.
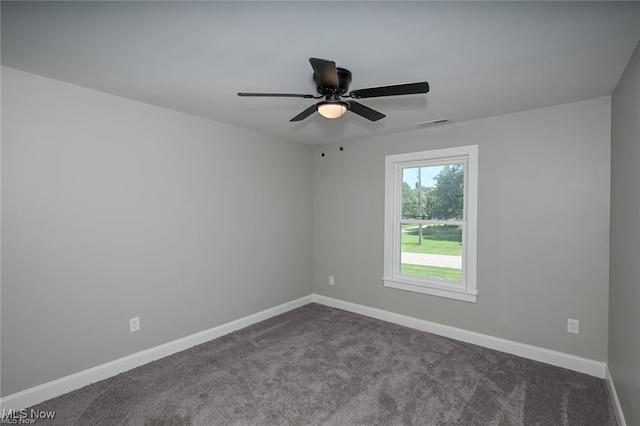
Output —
(134, 324)
(331, 280)
(573, 326)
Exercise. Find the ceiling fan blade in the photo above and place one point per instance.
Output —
(304, 114)
(325, 71)
(276, 95)
(365, 111)
(395, 90)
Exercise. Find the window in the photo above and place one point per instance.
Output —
(430, 222)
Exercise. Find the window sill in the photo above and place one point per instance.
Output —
(449, 293)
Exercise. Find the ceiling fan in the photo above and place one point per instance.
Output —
(332, 84)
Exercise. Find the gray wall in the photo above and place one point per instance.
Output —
(624, 291)
(114, 209)
(543, 225)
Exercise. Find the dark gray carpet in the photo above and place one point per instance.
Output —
(321, 366)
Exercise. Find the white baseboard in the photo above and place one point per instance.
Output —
(614, 400)
(75, 381)
(58, 387)
(559, 359)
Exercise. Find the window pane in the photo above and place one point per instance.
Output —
(433, 192)
(432, 252)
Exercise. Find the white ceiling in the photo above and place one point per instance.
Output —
(481, 59)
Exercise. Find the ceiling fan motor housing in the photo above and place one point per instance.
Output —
(344, 80)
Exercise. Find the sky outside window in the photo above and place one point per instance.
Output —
(410, 175)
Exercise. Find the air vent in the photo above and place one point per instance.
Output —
(433, 122)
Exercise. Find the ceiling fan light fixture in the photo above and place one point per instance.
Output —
(332, 84)
(332, 109)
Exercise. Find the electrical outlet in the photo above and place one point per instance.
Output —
(134, 324)
(332, 281)
(573, 326)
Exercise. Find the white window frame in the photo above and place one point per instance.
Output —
(394, 164)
